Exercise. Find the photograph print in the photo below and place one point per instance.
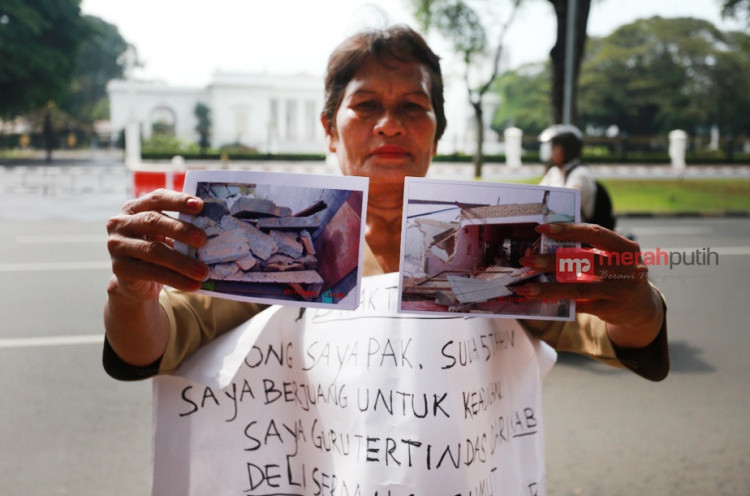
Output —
(462, 242)
(280, 238)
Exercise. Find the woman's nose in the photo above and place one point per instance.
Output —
(389, 124)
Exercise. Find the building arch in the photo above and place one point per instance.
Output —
(162, 119)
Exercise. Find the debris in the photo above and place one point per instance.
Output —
(307, 241)
(247, 207)
(256, 247)
(226, 247)
(214, 210)
(289, 223)
(246, 263)
(262, 245)
(312, 209)
(287, 243)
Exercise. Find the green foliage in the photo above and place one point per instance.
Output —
(657, 74)
(737, 9)
(161, 128)
(102, 57)
(203, 115)
(461, 24)
(39, 40)
(165, 144)
(524, 94)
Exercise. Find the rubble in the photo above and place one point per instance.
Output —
(252, 241)
(288, 243)
(247, 207)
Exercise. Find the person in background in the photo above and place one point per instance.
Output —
(561, 147)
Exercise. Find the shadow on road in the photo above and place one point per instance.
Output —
(683, 357)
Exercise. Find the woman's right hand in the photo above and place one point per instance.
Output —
(141, 246)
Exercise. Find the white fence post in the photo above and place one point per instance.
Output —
(132, 144)
(677, 148)
(513, 148)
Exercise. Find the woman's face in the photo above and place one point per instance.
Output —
(384, 127)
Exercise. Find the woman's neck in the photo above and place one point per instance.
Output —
(384, 216)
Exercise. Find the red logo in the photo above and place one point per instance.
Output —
(574, 264)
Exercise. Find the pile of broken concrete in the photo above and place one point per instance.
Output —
(256, 241)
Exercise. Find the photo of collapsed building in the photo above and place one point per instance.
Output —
(461, 256)
(277, 242)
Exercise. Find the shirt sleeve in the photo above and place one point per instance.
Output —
(194, 319)
(581, 178)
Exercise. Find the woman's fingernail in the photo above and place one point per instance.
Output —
(193, 203)
(548, 228)
(200, 271)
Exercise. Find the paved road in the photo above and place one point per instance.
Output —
(65, 428)
(609, 433)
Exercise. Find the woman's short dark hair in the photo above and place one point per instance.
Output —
(399, 43)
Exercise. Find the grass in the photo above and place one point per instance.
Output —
(679, 195)
(674, 196)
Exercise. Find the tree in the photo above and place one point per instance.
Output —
(203, 115)
(558, 58)
(525, 93)
(102, 57)
(462, 25)
(736, 9)
(39, 40)
(657, 74)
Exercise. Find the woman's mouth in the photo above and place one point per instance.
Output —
(390, 151)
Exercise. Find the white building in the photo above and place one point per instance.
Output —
(269, 113)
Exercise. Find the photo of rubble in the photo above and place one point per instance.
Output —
(462, 243)
(278, 243)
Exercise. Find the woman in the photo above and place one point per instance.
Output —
(383, 117)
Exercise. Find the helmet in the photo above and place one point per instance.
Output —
(566, 132)
(556, 129)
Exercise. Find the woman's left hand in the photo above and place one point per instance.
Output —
(618, 291)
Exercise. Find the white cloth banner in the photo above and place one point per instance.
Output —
(363, 402)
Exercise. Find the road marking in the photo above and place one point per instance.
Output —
(42, 239)
(51, 341)
(54, 266)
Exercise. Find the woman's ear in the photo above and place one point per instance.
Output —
(330, 131)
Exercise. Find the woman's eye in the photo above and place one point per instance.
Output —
(366, 105)
(413, 106)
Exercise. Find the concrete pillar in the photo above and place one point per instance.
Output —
(132, 143)
(713, 145)
(513, 148)
(677, 147)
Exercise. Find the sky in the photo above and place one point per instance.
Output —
(183, 42)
